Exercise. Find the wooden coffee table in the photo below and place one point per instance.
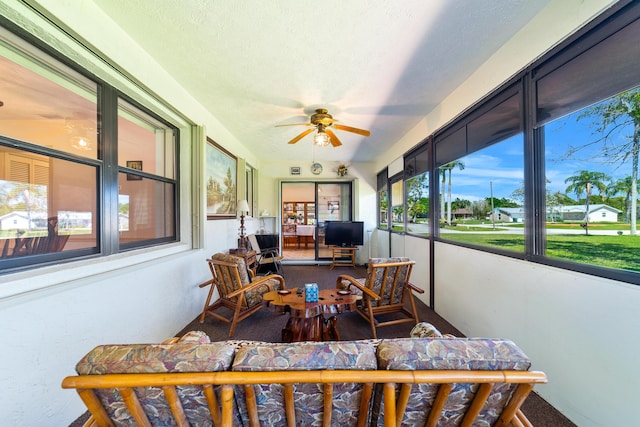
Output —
(306, 319)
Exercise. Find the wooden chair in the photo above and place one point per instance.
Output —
(237, 289)
(268, 259)
(384, 291)
(289, 235)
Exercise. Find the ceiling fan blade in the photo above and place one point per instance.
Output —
(302, 135)
(294, 124)
(362, 132)
(333, 138)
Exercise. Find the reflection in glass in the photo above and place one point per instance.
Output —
(145, 210)
(48, 204)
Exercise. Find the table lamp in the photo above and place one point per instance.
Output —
(243, 207)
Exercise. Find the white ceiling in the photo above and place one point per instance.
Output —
(378, 65)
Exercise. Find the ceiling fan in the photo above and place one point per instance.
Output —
(322, 121)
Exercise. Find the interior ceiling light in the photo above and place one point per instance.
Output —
(321, 139)
(80, 144)
(322, 121)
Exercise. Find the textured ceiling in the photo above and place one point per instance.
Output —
(377, 65)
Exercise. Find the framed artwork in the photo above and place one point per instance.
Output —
(294, 170)
(334, 206)
(220, 179)
(137, 165)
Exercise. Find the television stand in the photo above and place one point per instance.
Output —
(340, 252)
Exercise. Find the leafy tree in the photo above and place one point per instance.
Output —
(501, 202)
(585, 181)
(622, 186)
(616, 116)
(417, 187)
(479, 208)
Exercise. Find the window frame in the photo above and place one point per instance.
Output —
(106, 164)
(608, 24)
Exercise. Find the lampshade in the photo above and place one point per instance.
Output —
(243, 206)
(321, 139)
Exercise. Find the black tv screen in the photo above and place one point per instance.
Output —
(344, 233)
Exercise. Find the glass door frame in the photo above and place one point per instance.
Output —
(339, 202)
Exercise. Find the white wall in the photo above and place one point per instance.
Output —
(272, 173)
(52, 316)
(582, 331)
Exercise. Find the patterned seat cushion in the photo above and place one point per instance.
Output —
(348, 355)
(376, 284)
(457, 353)
(157, 358)
(253, 297)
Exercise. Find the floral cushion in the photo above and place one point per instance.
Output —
(252, 297)
(425, 330)
(195, 336)
(434, 353)
(140, 358)
(377, 280)
(308, 398)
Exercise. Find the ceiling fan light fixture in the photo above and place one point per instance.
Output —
(321, 138)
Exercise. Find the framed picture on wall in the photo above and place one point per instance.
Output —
(221, 182)
(137, 165)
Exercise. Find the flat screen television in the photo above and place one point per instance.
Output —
(344, 233)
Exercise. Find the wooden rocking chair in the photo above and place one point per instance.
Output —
(237, 289)
(384, 291)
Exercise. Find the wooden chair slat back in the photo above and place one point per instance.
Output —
(212, 402)
(328, 405)
(438, 404)
(134, 406)
(389, 280)
(479, 400)
(171, 394)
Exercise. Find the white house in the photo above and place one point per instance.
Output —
(14, 221)
(597, 213)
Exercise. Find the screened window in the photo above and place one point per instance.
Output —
(416, 170)
(383, 200)
(397, 204)
(480, 192)
(591, 159)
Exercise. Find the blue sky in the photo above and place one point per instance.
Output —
(500, 165)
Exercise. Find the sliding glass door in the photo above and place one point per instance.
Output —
(306, 208)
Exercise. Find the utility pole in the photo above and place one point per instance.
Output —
(493, 212)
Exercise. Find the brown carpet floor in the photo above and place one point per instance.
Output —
(265, 325)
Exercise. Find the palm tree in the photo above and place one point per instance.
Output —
(585, 181)
(443, 173)
(445, 170)
(618, 114)
(448, 168)
(622, 186)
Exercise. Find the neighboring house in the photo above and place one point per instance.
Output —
(461, 214)
(19, 220)
(506, 215)
(14, 221)
(597, 213)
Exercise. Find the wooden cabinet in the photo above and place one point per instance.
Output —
(299, 213)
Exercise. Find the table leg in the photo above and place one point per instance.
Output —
(315, 328)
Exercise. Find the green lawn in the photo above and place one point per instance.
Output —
(606, 251)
